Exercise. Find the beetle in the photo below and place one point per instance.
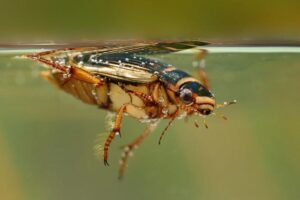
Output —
(122, 79)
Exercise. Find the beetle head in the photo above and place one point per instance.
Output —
(193, 94)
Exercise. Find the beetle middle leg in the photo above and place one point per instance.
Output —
(199, 63)
(128, 149)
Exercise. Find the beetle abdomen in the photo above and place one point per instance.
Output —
(86, 92)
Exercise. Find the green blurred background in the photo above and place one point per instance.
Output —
(38, 20)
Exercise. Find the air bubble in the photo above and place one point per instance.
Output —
(182, 115)
(93, 59)
(66, 76)
(165, 111)
(126, 149)
(195, 64)
(123, 155)
(59, 60)
(161, 100)
(94, 92)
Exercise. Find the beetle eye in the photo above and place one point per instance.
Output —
(186, 96)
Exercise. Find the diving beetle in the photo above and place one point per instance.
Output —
(122, 79)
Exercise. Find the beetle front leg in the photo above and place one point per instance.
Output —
(173, 117)
(147, 99)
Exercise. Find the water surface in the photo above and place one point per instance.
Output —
(47, 136)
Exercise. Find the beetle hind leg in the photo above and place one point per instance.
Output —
(131, 110)
(69, 71)
(115, 131)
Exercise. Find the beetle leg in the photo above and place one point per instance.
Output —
(115, 130)
(49, 63)
(169, 124)
(69, 71)
(147, 99)
(131, 110)
(128, 149)
(85, 76)
(199, 63)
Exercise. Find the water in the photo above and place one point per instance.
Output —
(47, 136)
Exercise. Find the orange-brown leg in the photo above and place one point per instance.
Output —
(128, 149)
(85, 76)
(199, 63)
(70, 71)
(169, 124)
(49, 63)
(113, 133)
(147, 99)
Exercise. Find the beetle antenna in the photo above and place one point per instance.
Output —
(220, 116)
(196, 123)
(205, 124)
(226, 104)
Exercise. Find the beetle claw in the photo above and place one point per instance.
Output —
(106, 163)
(119, 133)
